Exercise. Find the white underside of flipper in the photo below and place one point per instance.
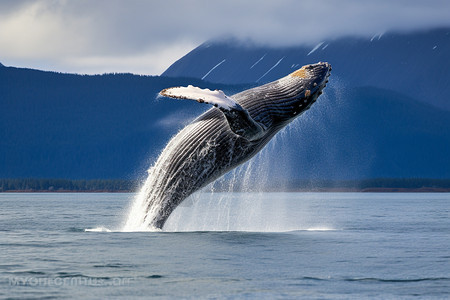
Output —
(239, 120)
(216, 97)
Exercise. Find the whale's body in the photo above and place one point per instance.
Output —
(223, 138)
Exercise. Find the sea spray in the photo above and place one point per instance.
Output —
(222, 139)
(149, 199)
(137, 211)
(253, 176)
(231, 201)
(235, 201)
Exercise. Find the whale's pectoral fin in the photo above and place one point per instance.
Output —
(241, 123)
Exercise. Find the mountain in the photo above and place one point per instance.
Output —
(384, 112)
(56, 125)
(415, 64)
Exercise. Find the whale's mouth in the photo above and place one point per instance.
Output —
(320, 72)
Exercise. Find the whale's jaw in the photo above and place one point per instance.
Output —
(314, 79)
(279, 102)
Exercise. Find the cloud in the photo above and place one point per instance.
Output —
(140, 62)
(145, 37)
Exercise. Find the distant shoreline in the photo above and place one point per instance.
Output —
(63, 191)
(300, 190)
(376, 185)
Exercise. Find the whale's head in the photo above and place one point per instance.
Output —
(279, 102)
(305, 85)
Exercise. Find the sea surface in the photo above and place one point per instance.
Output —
(231, 245)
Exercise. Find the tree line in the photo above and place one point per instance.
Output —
(77, 185)
(124, 185)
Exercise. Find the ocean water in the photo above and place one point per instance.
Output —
(260, 245)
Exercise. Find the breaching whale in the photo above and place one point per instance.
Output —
(225, 136)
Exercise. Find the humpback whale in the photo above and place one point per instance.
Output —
(227, 135)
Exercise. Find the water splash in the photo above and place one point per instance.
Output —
(219, 206)
(148, 201)
(137, 212)
(239, 201)
(251, 177)
(98, 229)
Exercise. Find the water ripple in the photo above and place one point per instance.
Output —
(118, 265)
(79, 275)
(155, 276)
(27, 273)
(369, 279)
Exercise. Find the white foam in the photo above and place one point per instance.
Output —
(319, 228)
(98, 229)
(147, 202)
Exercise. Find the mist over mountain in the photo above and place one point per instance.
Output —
(383, 114)
(415, 64)
(367, 132)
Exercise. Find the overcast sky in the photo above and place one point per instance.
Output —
(146, 37)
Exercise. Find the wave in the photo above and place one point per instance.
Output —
(375, 280)
(368, 279)
(266, 230)
(24, 273)
(75, 229)
(114, 266)
(155, 276)
(274, 230)
(321, 229)
(70, 275)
